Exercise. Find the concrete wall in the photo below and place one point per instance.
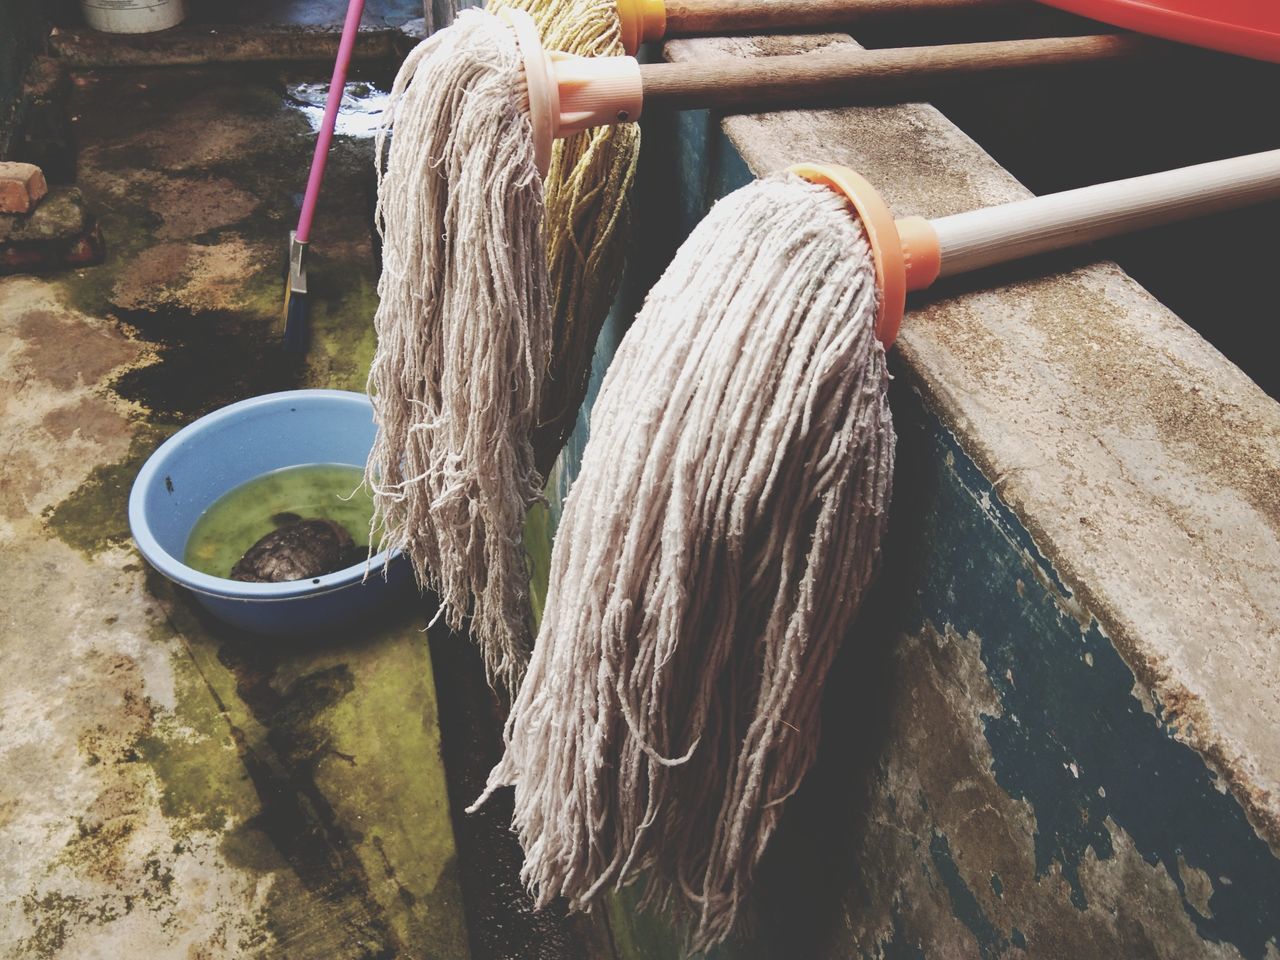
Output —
(21, 32)
(1053, 732)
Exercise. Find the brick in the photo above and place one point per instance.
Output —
(21, 187)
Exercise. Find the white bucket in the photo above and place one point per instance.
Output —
(132, 16)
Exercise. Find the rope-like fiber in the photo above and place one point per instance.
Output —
(464, 331)
(587, 221)
(711, 556)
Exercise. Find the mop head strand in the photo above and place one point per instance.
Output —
(464, 331)
(588, 218)
(710, 559)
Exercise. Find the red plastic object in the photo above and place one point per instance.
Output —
(1250, 28)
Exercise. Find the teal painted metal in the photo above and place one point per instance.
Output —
(1071, 739)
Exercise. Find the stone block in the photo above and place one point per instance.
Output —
(61, 216)
(59, 232)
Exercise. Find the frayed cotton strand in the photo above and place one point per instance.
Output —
(588, 219)
(463, 330)
(711, 557)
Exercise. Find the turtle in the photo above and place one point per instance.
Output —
(296, 550)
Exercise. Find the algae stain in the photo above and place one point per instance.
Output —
(407, 896)
(202, 784)
(537, 546)
(295, 816)
(398, 789)
(206, 360)
(96, 515)
(52, 915)
(342, 328)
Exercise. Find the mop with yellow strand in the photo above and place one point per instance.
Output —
(586, 221)
(727, 521)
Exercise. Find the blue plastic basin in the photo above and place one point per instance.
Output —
(231, 446)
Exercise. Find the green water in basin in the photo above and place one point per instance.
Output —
(240, 518)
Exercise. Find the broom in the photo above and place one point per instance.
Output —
(727, 519)
(466, 320)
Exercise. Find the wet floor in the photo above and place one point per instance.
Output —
(169, 788)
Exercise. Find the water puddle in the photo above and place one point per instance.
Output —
(363, 105)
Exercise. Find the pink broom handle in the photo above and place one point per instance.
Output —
(355, 10)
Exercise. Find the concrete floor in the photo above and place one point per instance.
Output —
(168, 788)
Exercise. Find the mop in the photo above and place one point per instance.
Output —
(474, 332)
(475, 385)
(727, 520)
(711, 555)
(464, 331)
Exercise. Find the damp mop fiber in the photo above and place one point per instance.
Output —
(588, 219)
(710, 559)
(463, 329)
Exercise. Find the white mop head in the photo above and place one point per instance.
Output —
(710, 559)
(463, 329)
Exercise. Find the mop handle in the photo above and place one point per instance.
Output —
(720, 16)
(647, 20)
(981, 238)
(841, 75)
(350, 27)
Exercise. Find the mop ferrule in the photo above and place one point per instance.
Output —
(905, 252)
(297, 264)
(596, 91)
(569, 94)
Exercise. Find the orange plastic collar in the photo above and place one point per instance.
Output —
(641, 21)
(905, 252)
(569, 94)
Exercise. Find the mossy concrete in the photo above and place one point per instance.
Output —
(169, 788)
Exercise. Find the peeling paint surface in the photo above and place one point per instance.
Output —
(169, 788)
(1024, 799)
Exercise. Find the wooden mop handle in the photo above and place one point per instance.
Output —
(842, 75)
(691, 17)
(981, 238)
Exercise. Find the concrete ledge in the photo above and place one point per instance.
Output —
(196, 44)
(1145, 465)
